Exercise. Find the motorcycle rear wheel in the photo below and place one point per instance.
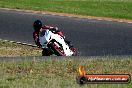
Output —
(46, 52)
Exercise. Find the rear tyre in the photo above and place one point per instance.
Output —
(46, 52)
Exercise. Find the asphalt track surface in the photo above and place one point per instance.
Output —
(91, 37)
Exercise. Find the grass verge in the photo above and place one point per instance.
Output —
(60, 73)
(8, 49)
(55, 72)
(100, 8)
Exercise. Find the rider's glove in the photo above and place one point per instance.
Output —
(54, 29)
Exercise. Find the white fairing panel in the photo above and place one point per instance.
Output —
(59, 39)
(46, 36)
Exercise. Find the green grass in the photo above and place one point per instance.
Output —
(8, 49)
(55, 72)
(100, 8)
(60, 73)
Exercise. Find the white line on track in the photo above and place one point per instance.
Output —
(18, 43)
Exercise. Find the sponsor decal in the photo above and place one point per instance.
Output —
(84, 78)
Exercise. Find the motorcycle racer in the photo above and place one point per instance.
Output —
(42, 32)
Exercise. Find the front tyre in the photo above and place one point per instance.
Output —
(57, 50)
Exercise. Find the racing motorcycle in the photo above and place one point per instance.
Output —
(54, 47)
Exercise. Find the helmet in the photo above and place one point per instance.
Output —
(37, 25)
